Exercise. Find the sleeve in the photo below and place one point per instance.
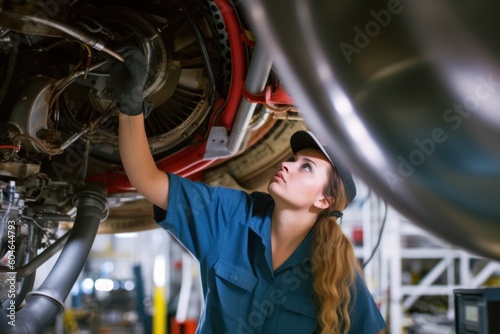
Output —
(197, 213)
(365, 315)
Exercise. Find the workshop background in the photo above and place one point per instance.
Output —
(412, 275)
(404, 92)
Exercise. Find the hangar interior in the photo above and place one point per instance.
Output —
(404, 93)
(412, 275)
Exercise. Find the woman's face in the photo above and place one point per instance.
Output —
(300, 182)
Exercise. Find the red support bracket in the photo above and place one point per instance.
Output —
(275, 95)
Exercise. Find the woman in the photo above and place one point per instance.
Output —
(270, 263)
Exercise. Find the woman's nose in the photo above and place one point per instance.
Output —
(285, 166)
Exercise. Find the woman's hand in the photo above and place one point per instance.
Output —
(128, 79)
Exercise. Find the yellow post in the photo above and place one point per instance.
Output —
(159, 302)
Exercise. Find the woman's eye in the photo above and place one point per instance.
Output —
(307, 167)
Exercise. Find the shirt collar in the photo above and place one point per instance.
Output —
(261, 221)
(262, 227)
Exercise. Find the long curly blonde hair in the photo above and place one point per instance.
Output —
(334, 263)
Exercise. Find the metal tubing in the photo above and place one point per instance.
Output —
(40, 259)
(69, 30)
(258, 74)
(45, 303)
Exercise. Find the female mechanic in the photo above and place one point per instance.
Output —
(275, 262)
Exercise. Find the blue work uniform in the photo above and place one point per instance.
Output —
(228, 231)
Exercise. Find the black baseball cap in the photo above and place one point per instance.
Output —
(302, 139)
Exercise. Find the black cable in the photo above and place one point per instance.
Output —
(204, 51)
(379, 237)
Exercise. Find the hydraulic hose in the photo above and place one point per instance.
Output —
(44, 304)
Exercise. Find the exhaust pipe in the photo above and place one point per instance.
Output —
(44, 304)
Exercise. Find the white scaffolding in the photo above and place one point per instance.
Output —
(447, 259)
(385, 274)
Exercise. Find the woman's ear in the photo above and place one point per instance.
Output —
(324, 202)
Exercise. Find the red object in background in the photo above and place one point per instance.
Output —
(178, 265)
(357, 236)
(186, 327)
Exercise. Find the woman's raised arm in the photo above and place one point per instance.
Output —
(138, 162)
(128, 79)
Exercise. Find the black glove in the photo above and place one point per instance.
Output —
(128, 79)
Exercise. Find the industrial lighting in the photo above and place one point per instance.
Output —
(126, 235)
(104, 284)
(159, 271)
(87, 285)
(129, 285)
